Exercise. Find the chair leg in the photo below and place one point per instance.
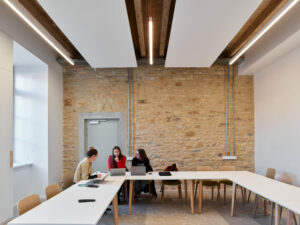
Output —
(255, 206)
(224, 193)
(150, 190)
(179, 191)
(212, 193)
(162, 191)
(249, 195)
(272, 213)
(243, 195)
(295, 220)
(218, 194)
(185, 189)
(265, 208)
(195, 195)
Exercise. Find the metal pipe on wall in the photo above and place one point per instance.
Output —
(225, 93)
(229, 111)
(233, 110)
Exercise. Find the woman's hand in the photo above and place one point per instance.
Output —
(99, 175)
(117, 159)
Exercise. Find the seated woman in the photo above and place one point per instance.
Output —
(116, 159)
(84, 167)
(141, 159)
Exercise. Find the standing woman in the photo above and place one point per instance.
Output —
(141, 159)
(116, 159)
(84, 167)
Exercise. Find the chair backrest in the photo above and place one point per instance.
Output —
(286, 178)
(271, 173)
(204, 168)
(172, 167)
(28, 203)
(67, 180)
(227, 168)
(52, 190)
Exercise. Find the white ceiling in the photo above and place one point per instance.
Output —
(99, 29)
(202, 29)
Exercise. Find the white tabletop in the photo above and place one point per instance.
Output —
(268, 188)
(183, 175)
(64, 208)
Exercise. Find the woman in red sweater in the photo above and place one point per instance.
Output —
(116, 159)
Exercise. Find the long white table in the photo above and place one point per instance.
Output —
(283, 195)
(189, 176)
(64, 208)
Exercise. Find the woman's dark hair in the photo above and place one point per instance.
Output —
(142, 154)
(113, 161)
(92, 151)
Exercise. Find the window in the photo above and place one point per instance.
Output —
(30, 107)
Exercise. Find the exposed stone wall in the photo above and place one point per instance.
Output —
(178, 114)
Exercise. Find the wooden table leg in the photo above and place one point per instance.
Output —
(185, 189)
(200, 196)
(233, 198)
(130, 196)
(290, 217)
(277, 214)
(115, 206)
(191, 184)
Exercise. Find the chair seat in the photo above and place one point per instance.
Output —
(227, 182)
(171, 182)
(209, 183)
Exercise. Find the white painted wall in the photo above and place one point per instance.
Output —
(277, 115)
(6, 115)
(21, 33)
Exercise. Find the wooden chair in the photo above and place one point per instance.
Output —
(285, 178)
(171, 183)
(207, 183)
(67, 180)
(228, 182)
(52, 190)
(270, 174)
(28, 203)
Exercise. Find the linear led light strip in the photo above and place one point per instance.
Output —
(150, 40)
(263, 31)
(38, 31)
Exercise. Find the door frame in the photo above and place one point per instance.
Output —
(82, 138)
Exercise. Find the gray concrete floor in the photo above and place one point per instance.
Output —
(174, 211)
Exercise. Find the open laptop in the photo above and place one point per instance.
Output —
(138, 170)
(118, 172)
(98, 180)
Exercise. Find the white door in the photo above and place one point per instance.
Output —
(103, 135)
(6, 125)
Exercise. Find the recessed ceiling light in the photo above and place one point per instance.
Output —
(150, 41)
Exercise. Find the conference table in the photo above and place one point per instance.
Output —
(65, 209)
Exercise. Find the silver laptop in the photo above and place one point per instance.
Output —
(118, 172)
(138, 170)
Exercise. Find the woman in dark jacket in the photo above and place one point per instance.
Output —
(141, 159)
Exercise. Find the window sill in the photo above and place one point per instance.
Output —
(20, 165)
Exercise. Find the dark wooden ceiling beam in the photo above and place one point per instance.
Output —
(164, 26)
(266, 10)
(140, 25)
(37, 11)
